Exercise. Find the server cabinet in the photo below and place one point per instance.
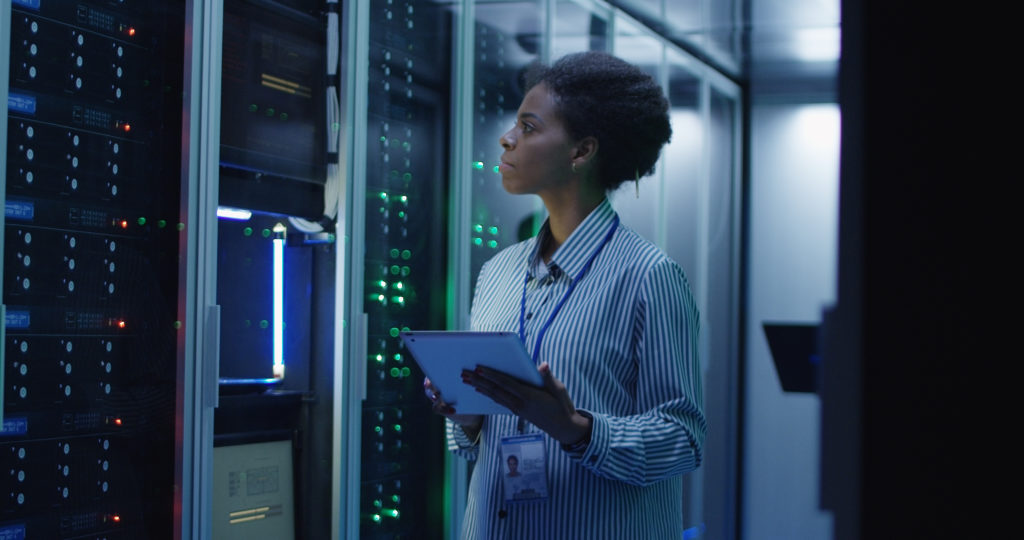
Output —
(92, 270)
(400, 105)
(275, 255)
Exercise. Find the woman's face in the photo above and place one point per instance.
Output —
(538, 151)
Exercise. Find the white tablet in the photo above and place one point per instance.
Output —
(442, 355)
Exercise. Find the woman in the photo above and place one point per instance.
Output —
(608, 318)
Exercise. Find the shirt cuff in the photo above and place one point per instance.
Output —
(594, 454)
(589, 454)
(458, 436)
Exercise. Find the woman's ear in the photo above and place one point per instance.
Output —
(584, 151)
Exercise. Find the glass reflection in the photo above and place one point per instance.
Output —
(507, 39)
(639, 204)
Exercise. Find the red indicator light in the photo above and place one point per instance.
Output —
(131, 31)
(124, 224)
(117, 421)
(116, 518)
(120, 324)
(127, 127)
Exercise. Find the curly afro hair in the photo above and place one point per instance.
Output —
(614, 101)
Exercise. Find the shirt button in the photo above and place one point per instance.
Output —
(529, 316)
(502, 514)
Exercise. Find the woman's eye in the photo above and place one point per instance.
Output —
(527, 128)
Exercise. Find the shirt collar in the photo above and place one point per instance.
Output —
(573, 253)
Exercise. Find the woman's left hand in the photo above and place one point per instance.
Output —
(547, 407)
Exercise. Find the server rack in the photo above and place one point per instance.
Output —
(397, 214)
(94, 264)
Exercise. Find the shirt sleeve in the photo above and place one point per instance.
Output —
(459, 443)
(456, 439)
(666, 438)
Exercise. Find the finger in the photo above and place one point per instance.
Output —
(547, 377)
(493, 390)
(503, 380)
(442, 408)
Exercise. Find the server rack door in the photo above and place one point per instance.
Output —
(403, 263)
(508, 36)
(92, 233)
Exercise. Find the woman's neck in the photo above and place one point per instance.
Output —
(564, 215)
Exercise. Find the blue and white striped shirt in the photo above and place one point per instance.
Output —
(625, 345)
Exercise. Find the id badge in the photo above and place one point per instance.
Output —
(523, 464)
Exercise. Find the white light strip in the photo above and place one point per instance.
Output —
(279, 231)
(233, 213)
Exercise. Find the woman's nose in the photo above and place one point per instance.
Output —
(506, 141)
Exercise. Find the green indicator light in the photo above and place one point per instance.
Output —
(405, 328)
(253, 107)
(405, 270)
(391, 512)
(398, 428)
(142, 221)
(407, 177)
(162, 223)
(271, 111)
(478, 165)
(376, 518)
(395, 372)
(377, 429)
(497, 170)
(247, 231)
(382, 284)
(264, 324)
(401, 213)
(382, 299)
(406, 146)
(383, 139)
(393, 332)
(406, 254)
(398, 357)
(398, 299)
(383, 195)
(395, 253)
(395, 498)
(180, 226)
(406, 372)
(395, 270)
(478, 241)
(492, 244)
(378, 503)
(404, 199)
(265, 233)
(478, 228)
(177, 325)
(399, 285)
(284, 116)
(492, 229)
(380, 358)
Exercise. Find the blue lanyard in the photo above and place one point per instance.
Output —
(572, 286)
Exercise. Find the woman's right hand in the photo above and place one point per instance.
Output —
(470, 423)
